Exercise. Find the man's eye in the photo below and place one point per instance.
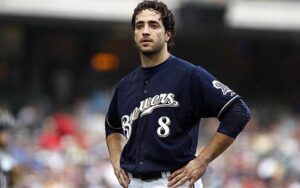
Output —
(154, 25)
(139, 26)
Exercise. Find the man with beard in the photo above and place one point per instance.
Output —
(158, 107)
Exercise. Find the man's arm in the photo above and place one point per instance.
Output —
(196, 168)
(114, 144)
(232, 123)
(218, 144)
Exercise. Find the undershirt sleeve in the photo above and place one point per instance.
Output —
(234, 119)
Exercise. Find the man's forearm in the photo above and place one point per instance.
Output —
(218, 144)
(196, 168)
(232, 122)
(114, 144)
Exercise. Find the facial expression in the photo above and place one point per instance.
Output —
(150, 35)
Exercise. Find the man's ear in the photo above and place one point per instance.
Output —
(168, 36)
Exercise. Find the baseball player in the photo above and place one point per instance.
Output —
(158, 107)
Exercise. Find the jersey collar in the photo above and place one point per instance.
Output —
(150, 70)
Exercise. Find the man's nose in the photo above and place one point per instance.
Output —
(146, 30)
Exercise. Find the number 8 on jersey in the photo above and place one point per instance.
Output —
(163, 129)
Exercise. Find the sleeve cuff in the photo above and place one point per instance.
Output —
(226, 132)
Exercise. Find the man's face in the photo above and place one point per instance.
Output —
(150, 35)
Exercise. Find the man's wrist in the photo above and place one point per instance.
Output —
(203, 159)
(115, 160)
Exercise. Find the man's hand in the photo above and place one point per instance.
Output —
(114, 144)
(193, 171)
(196, 168)
(121, 175)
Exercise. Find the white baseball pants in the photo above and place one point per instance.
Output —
(159, 183)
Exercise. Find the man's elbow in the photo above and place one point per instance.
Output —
(234, 120)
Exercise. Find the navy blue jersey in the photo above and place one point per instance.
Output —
(158, 110)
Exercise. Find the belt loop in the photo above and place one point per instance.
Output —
(168, 173)
(165, 174)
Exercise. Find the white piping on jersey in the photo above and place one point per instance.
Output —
(224, 107)
(110, 124)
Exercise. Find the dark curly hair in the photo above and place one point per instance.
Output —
(167, 17)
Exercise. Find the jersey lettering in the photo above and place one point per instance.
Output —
(146, 107)
(126, 125)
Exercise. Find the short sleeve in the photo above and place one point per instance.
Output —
(112, 122)
(210, 97)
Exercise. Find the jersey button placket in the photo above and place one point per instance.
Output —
(142, 149)
(141, 146)
(145, 86)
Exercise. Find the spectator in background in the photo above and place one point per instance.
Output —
(57, 127)
(9, 169)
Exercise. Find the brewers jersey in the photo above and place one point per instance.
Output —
(158, 110)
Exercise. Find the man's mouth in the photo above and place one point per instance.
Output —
(146, 40)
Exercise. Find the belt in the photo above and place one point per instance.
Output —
(150, 175)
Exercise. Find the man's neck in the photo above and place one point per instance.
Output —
(153, 60)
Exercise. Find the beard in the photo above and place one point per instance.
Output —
(155, 49)
(151, 52)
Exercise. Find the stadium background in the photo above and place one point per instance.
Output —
(60, 61)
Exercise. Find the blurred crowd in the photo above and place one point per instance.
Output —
(67, 149)
(63, 148)
(264, 155)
